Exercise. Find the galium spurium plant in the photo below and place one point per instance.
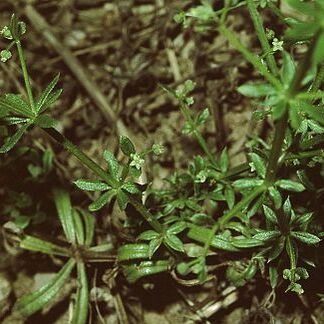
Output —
(257, 208)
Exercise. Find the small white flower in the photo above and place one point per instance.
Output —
(5, 55)
(137, 161)
(201, 177)
(277, 45)
(6, 33)
(157, 149)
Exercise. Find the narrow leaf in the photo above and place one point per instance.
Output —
(133, 251)
(305, 237)
(104, 199)
(13, 140)
(16, 104)
(113, 165)
(91, 185)
(126, 145)
(290, 185)
(44, 96)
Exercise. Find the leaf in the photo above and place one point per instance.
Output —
(202, 235)
(104, 199)
(288, 69)
(276, 197)
(318, 54)
(229, 196)
(148, 235)
(78, 225)
(270, 215)
(91, 185)
(259, 164)
(29, 304)
(113, 165)
(256, 90)
(273, 276)
(279, 109)
(14, 120)
(133, 251)
(290, 185)
(292, 252)
(46, 121)
(16, 104)
(126, 146)
(266, 235)
(13, 140)
(52, 98)
(35, 244)
(136, 272)
(89, 224)
(44, 96)
(246, 243)
(81, 307)
(276, 249)
(223, 160)
(177, 228)
(314, 112)
(305, 237)
(122, 199)
(304, 219)
(247, 183)
(173, 242)
(131, 188)
(154, 245)
(64, 210)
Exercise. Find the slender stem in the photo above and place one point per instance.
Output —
(249, 56)
(26, 76)
(203, 144)
(282, 124)
(258, 25)
(232, 213)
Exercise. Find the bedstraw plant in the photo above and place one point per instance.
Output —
(268, 210)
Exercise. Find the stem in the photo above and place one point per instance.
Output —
(26, 76)
(101, 173)
(282, 124)
(232, 213)
(203, 144)
(258, 25)
(250, 57)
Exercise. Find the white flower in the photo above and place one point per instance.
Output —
(157, 149)
(5, 55)
(137, 161)
(277, 45)
(6, 33)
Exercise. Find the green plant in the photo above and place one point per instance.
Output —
(210, 206)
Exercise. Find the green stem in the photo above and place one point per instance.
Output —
(232, 213)
(282, 124)
(258, 25)
(203, 144)
(101, 173)
(26, 76)
(250, 57)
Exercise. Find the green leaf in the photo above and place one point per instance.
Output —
(148, 268)
(126, 146)
(266, 235)
(276, 249)
(148, 235)
(290, 185)
(288, 69)
(38, 245)
(11, 141)
(51, 99)
(305, 237)
(29, 304)
(89, 224)
(259, 164)
(104, 199)
(154, 245)
(16, 104)
(91, 185)
(270, 215)
(113, 165)
(202, 235)
(246, 243)
(131, 188)
(279, 109)
(173, 242)
(304, 219)
(318, 54)
(256, 90)
(224, 161)
(78, 225)
(122, 199)
(64, 209)
(14, 120)
(177, 228)
(203, 117)
(292, 252)
(44, 96)
(46, 121)
(81, 307)
(133, 251)
(314, 112)
(247, 183)
(276, 197)
(273, 276)
(229, 196)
